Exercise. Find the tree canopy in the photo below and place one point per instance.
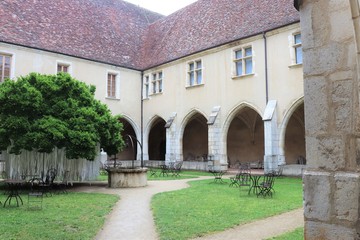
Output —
(40, 112)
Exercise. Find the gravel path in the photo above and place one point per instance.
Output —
(132, 219)
(262, 229)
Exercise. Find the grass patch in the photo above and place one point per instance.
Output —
(64, 216)
(102, 177)
(297, 234)
(183, 175)
(208, 207)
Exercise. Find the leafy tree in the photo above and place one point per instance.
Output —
(41, 112)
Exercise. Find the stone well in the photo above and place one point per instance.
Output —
(127, 177)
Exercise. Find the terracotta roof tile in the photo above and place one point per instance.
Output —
(120, 33)
(104, 30)
(208, 23)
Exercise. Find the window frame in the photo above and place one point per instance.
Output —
(63, 64)
(62, 68)
(243, 61)
(155, 82)
(160, 81)
(195, 73)
(296, 46)
(116, 88)
(146, 83)
(293, 46)
(10, 56)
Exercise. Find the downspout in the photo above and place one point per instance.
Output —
(142, 119)
(267, 125)
(266, 69)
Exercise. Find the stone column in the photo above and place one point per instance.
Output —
(171, 144)
(331, 181)
(145, 151)
(271, 137)
(214, 142)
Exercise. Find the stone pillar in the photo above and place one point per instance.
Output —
(214, 142)
(171, 144)
(331, 181)
(145, 152)
(271, 137)
(145, 148)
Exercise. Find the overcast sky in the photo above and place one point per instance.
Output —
(164, 7)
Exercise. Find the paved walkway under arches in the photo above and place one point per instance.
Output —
(132, 219)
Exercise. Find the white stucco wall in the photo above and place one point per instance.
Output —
(26, 60)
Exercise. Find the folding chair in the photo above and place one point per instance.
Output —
(266, 188)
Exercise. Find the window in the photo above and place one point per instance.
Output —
(153, 82)
(111, 85)
(156, 82)
(160, 82)
(195, 73)
(243, 61)
(146, 86)
(298, 48)
(63, 68)
(5, 67)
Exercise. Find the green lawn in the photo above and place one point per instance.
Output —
(297, 234)
(64, 216)
(208, 207)
(183, 175)
(203, 208)
(102, 176)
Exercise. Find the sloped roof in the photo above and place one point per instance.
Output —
(108, 31)
(209, 23)
(120, 33)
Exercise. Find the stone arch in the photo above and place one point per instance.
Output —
(129, 128)
(133, 125)
(193, 136)
(155, 138)
(295, 114)
(243, 129)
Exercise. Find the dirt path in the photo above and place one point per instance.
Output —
(262, 229)
(132, 219)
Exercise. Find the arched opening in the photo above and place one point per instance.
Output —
(157, 140)
(245, 138)
(295, 137)
(129, 152)
(195, 138)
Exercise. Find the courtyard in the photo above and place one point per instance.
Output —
(201, 209)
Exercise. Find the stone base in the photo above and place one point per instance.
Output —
(294, 170)
(127, 177)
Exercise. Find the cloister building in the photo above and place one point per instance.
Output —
(218, 80)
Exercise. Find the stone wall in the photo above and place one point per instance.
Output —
(331, 192)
